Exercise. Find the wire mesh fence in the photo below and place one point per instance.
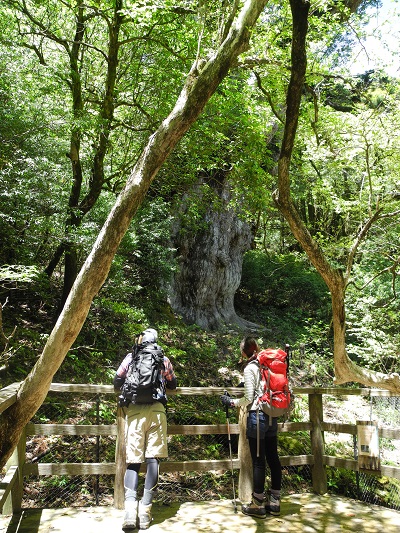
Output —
(66, 491)
(371, 488)
(378, 489)
(89, 490)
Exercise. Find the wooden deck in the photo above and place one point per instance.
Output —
(301, 513)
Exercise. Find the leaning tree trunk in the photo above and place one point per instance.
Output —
(210, 268)
(345, 369)
(198, 89)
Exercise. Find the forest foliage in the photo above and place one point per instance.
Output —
(68, 145)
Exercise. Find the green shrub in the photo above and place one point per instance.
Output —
(285, 295)
(283, 281)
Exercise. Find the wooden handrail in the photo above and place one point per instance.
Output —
(9, 392)
(11, 485)
(8, 396)
(7, 484)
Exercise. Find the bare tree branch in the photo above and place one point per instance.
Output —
(268, 96)
(357, 241)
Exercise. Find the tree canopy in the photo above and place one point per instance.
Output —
(186, 133)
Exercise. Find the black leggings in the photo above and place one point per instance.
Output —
(268, 454)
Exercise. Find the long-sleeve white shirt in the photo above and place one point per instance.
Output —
(252, 385)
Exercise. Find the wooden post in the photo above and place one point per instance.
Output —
(246, 470)
(14, 500)
(318, 470)
(120, 461)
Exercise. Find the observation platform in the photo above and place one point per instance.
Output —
(300, 513)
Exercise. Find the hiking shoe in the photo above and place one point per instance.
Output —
(145, 517)
(273, 506)
(255, 508)
(130, 518)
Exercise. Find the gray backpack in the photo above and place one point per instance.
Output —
(144, 381)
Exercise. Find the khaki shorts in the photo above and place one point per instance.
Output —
(146, 432)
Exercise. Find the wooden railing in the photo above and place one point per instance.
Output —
(11, 487)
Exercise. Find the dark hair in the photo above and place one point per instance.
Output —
(249, 346)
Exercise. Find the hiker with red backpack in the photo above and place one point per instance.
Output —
(141, 380)
(264, 406)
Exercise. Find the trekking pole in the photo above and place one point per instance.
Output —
(230, 455)
(287, 350)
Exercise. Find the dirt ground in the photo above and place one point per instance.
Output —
(301, 513)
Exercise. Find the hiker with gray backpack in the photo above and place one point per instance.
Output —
(266, 397)
(141, 381)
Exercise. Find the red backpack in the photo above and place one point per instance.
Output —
(276, 395)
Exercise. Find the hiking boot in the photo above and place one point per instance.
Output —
(131, 514)
(255, 508)
(145, 517)
(273, 506)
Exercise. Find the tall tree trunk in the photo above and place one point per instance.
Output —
(198, 89)
(345, 369)
(78, 207)
(210, 267)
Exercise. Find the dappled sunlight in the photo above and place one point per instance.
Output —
(301, 513)
(306, 513)
(207, 516)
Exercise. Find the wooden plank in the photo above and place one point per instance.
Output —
(8, 396)
(109, 389)
(333, 391)
(7, 393)
(9, 477)
(377, 393)
(319, 477)
(198, 466)
(7, 484)
(176, 429)
(68, 469)
(351, 429)
(235, 391)
(245, 487)
(389, 433)
(217, 429)
(205, 391)
(173, 429)
(17, 459)
(187, 429)
(120, 461)
(297, 460)
(287, 427)
(81, 469)
(352, 464)
(70, 429)
(334, 427)
(339, 462)
(390, 471)
(82, 388)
